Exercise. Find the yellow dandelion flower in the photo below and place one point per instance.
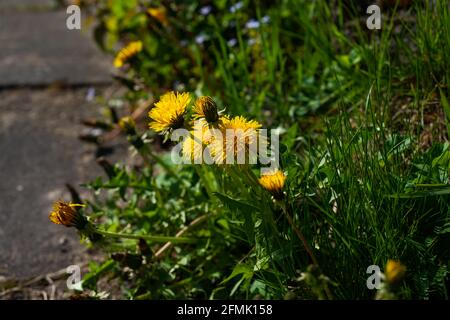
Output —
(194, 146)
(159, 14)
(126, 53)
(274, 183)
(66, 214)
(238, 141)
(169, 111)
(395, 271)
(206, 108)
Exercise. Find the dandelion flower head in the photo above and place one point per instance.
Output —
(273, 182)
(168, 112)
(126, 53)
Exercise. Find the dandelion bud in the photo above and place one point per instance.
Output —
(128, 125)
(205, 107)
(395, 271)
(67, 214)
(159, 14)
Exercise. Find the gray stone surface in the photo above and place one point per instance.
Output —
(37, 49)
(8, 5)
(39, 147)
(39, 153)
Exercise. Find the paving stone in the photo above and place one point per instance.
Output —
(30, 5)
(39, 154)
(38, 50)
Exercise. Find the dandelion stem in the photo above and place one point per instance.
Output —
(205, 180)
(236, 176)
(145, 153)
(193, 224)
(299, 235)
(145, 237)
(163, 164)
(251, 176)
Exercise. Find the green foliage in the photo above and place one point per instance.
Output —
(353, 108)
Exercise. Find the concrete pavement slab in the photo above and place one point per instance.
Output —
(39, 154)
(38, 50)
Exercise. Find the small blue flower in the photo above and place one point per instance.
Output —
(200, 38)
(236, 7)
(251, 41)
(232, 42)
(90, 95)
(265, 19)
(205, 10)
(252, 24)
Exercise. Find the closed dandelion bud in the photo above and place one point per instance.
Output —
(67, 214)
(274, 183)
(395, 271)
(159, 14)
(205, 107)
(128, 125)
